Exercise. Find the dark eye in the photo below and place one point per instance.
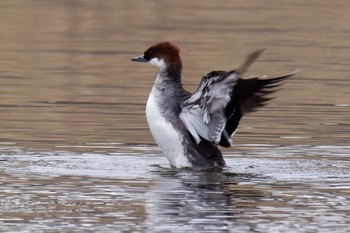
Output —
(149, 54)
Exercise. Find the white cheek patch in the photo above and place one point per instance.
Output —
(158, 62)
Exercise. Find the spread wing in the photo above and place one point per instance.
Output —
(254, 92)
(203, 112)
(247, 96)
(214, 111)
(206, 113)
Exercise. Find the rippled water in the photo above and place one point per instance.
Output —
(138, 192)
(75, 151)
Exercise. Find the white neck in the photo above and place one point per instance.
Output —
(159, 63)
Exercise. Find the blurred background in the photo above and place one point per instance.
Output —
(67, 80)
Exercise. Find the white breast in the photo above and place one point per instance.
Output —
(165, 135)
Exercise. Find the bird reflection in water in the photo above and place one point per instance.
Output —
(187, 200)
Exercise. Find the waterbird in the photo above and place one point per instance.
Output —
(189, 127)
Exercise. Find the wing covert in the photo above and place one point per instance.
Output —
(203, 112)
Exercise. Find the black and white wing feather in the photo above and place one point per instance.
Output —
(214, 111)
(248, 95)
(203, 112)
